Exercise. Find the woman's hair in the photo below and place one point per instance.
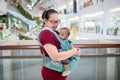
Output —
(46, 14)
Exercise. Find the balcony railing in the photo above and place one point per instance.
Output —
(97, 62)
(81, 46)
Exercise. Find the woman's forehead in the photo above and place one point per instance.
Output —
(54, 16)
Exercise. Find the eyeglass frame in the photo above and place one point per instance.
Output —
(54, 22)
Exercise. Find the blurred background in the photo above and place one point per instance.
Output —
(90, 22)
(21, 19)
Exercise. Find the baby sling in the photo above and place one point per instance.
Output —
(57, 65)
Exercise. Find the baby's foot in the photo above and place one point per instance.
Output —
(65, 73)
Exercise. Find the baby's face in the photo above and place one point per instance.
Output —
(64, 34)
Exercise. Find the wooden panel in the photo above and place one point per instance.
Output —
(23, 47)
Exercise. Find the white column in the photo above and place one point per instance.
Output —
(111, 65)
(3, 7)
(7, 66)
(106, 17)
(9, 23)
(101, 64)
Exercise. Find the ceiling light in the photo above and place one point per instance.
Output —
(74, 18)
(93, 15)
(115, 9)
(63, 7)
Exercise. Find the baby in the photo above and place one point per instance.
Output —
(64, 33)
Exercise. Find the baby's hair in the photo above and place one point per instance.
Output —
(65, 28)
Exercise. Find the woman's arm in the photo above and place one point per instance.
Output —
(58, 56)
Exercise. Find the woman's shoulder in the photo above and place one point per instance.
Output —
(47, 36)
(46, 32)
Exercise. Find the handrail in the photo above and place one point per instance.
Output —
(36, 47)
(97, 45)
(82, 56)
(17, 47)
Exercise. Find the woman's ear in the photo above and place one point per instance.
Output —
(45, 20)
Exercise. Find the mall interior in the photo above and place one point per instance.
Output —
(94, 26)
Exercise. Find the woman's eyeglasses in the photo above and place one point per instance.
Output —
(54, 22)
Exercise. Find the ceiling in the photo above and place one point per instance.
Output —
(45, 4)
(54, 3)
(41, 5)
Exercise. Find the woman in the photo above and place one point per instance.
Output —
(51, 45)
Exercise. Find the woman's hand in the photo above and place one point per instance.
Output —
(77, 51)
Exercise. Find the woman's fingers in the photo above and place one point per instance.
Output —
(78, 51)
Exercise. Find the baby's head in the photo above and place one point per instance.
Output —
(64, 33)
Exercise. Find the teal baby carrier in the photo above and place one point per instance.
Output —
(57, 65)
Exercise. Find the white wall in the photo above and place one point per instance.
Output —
(3, 7)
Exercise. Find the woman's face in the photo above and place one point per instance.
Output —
(53, 21)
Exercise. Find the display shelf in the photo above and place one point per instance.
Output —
(88, 3)
(92, 9)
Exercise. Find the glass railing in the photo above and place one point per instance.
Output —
(97, 62)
